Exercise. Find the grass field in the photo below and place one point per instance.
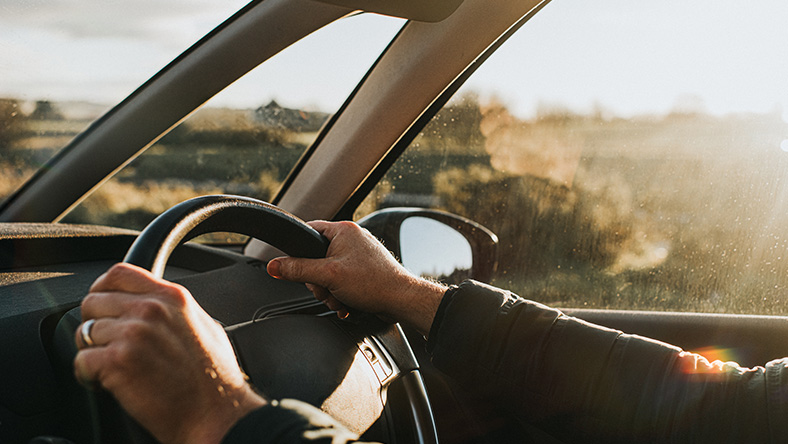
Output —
(675, 212)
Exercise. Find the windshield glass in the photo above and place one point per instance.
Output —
(66, 64)
(63, 64)
(245, 140)
(629, 155)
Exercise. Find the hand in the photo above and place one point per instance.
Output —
(359, 272)
(167, 362)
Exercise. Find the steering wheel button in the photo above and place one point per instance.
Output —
(369, 354)
(380, 371)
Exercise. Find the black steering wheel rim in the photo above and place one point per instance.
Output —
(237, 214)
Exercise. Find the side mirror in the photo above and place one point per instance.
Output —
(436, 244)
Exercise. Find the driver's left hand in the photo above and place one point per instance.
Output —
(166, 361)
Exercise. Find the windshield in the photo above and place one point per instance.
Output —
(246, 139)
(65, 70)
(625, 155)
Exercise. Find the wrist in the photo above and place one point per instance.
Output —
(221, 419)
(420, 303)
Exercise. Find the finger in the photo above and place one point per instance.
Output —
(108, 304)
(80, 333)
(86, 367)
(121, 347)
(333, 229)
(337, 306)
(100, 333)
(320, 226)
(298, 269)
(128, 278)
(321, 294)
(325, 296)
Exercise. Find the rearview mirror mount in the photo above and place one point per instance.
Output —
(418, 10)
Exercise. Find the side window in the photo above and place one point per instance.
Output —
(643, 166)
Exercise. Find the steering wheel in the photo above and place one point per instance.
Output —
(362, 372)
(213, 213)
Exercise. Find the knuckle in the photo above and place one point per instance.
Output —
(118, 357)
(135, 333)
(176, 295)
(90, 301)
(116, 273)
(151, 310)
(113, 277)
(333, 268)
(349, 226)
(123, 268)
(136, 340)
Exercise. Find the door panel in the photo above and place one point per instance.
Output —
(749, 340)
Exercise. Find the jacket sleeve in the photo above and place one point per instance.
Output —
(289, 422)
(584, 381)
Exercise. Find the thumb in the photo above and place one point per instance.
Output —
(295, 269)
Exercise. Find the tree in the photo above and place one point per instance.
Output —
(10, 122)
(45, 110)
(542, 224)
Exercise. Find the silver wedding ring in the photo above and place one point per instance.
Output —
(85, 332)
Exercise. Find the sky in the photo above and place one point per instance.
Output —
(724, 55)
(432, 249)
(96, 49)
(625, 56)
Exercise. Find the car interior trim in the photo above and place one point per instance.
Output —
(358, 196)
(329, 125)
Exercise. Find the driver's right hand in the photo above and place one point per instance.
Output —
(359, 272)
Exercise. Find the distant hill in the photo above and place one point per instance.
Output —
(274, 115)
(78, 110)
(271, 115)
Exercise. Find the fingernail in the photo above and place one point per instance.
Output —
(275, 269)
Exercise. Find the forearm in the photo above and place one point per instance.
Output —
(595, 382)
